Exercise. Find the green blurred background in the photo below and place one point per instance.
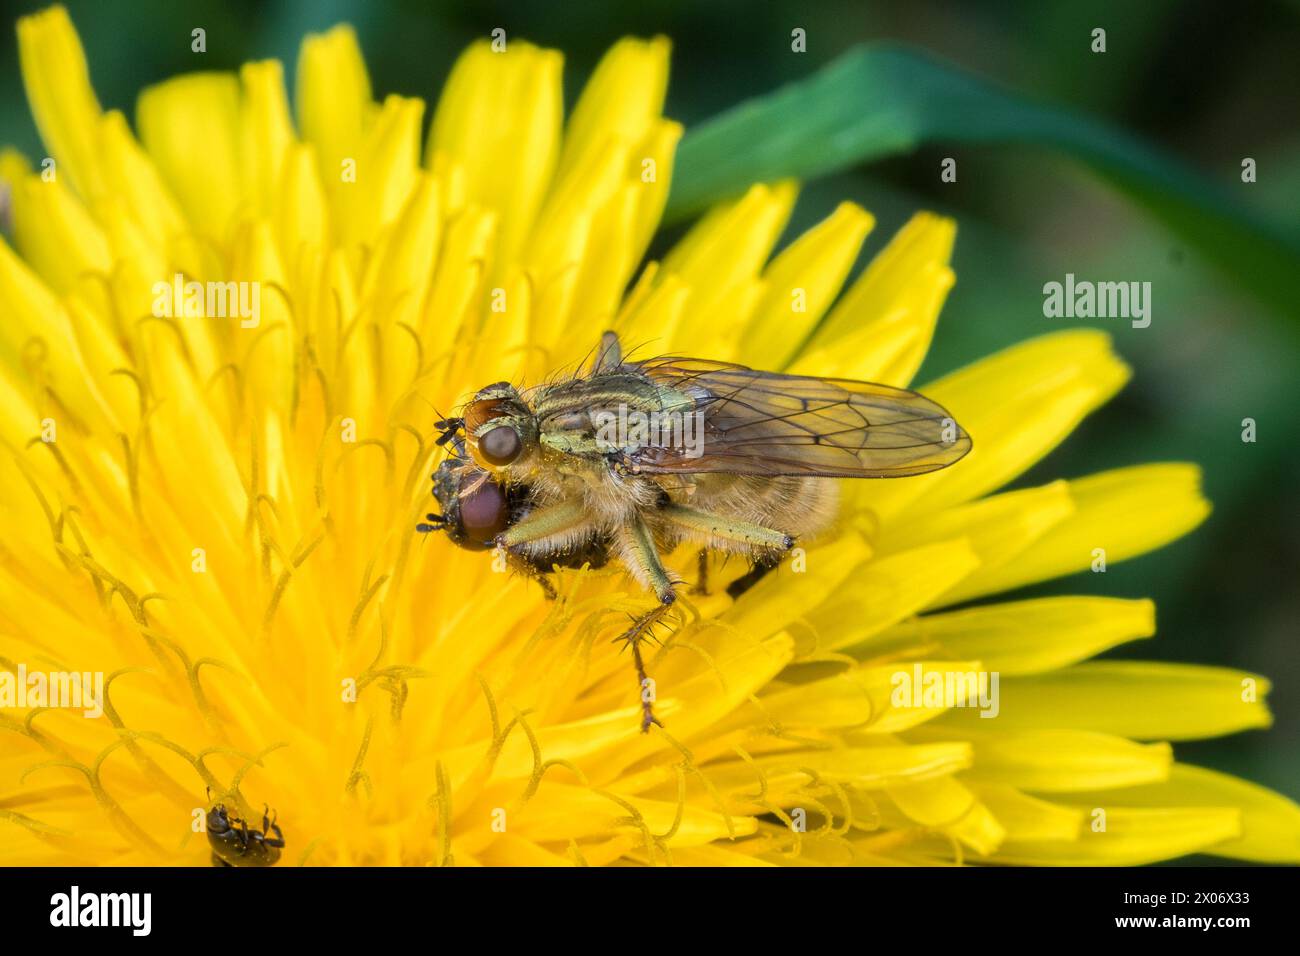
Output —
(1206, 82)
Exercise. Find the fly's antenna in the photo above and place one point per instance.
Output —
(436, 410)
(449, 428)
(449, 431)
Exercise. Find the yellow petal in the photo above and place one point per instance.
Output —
(63, 103)
(885, 591)
(332, 98)
(190, 127)
(550, 815)
(14, 167)
(299, 210)
(510, 850)
(1025, 637)
(387, 167)
(1123, 513)
(269, 362)
(881, 329)
(1131, 837)
(612, 204)
(999, 530)
(1270, 822)
(1016, 406)
(18, 421)
(863, 698)
(267, 132)
(1055, 761)
(945, 804)
(402, 266)
(715, 855)
(56, 234)
(456, 285)
(871, 764)
(623, 98)
(720, 260)
(659, 147)
(801, 282)
(782, 595)
(38, 331)
(1146, 701)
(1029, 818)
(499, 119)
(135, 180)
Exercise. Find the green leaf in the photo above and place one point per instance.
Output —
(883, 100)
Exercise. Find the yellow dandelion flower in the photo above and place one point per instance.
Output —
(229, 328)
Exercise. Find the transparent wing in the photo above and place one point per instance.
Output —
(766, 423)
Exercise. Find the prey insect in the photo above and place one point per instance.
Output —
(631, 459)
(234, 844)
(477, 508)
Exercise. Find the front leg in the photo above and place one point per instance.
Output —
(545, 528)
(543, 532)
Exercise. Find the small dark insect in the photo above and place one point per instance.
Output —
(234, 844)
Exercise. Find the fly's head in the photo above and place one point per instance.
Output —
(500, 429)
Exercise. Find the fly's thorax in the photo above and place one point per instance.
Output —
(617, 412)
(555, 479)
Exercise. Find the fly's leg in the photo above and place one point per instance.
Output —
(547, 527)
(278, 840)
(768, 543)
(637, 549)
(548, 530)
(751, 577)
(702, 584)
(641, 629)
(721, 528)
(525, 567)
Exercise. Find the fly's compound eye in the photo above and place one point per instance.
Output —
(500, 446)
(484, 512)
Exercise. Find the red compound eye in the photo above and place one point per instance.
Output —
(484, 513)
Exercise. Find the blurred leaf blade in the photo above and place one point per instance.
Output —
(882, 100)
